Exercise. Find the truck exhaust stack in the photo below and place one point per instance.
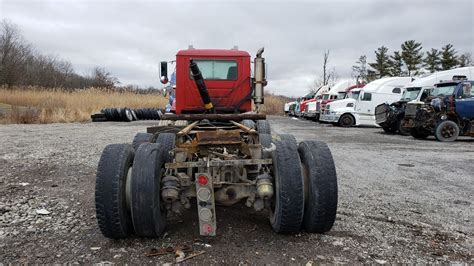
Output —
(260, 82)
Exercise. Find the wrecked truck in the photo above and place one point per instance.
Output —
(447, 113)
(390, 116)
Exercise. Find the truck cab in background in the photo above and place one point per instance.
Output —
(390, 116)
(287, 108)
(359, 109)
(304, 102)
(447, 113)
(336, 92)
(309, 104)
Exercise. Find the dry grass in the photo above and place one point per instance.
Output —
(274, 104)
(36, 105)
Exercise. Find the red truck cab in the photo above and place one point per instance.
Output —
(304, 103)
(227, 77)
(339, 96)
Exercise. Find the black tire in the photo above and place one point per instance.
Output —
(389, 129)
(110, 114)
(248, 123)
(126, 115)
(402, 130)
(139, 114)
(134, 115)
(287, 137)
(320, 185)
(346, 120)
(148, 216)
(446, 131)
(141, 138)
(419, 133)
(113, 215)
(116, 113)
(265, 140)
(168, 142)
(287, 211)
(263, 127)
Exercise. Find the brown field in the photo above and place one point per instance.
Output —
(36, 105)
(31, 105)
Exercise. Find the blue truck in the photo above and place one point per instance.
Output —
(447, 113)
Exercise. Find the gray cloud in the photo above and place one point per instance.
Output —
(129, 38)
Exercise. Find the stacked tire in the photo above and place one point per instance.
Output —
(119, 114)
(128, 115)
(149, 113)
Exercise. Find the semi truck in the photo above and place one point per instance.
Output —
(359, 108)
(390, 116)
(447, 113)
(337, 92)
(215, 147)
(310, 114)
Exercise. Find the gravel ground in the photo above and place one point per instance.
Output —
(400, 200)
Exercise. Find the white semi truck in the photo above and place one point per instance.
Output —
(359, 108)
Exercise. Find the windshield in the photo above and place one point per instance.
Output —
(341, 95)
(411, 93)
(325, 96)
(217, 69)
(444, 89)
(354, 94)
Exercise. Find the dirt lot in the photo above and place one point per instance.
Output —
(401, 200)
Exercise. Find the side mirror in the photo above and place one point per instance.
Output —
(164, 72)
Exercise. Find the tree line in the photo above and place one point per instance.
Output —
(409, 61)
(22, 65)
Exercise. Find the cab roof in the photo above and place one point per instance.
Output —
(212, 52)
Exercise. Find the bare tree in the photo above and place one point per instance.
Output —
(13, 53)
(326, 75)
(103, 78)
(329, 76)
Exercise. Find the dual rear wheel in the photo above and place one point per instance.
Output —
(128, 188)
(305, 181)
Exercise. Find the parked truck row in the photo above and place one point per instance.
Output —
(440, 104)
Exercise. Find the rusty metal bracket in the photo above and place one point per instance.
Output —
(214, 117)
(216, 163)
(218, 137)
(188, 128)
(244, 128)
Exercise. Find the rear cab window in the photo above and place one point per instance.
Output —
(217, 69)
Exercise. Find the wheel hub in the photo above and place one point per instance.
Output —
(448, 131)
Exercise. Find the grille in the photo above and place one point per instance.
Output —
(318, 106)
(410, 110)
(381, 112)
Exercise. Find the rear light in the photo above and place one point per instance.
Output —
(206, 229)
(202, 180)
(205, 204)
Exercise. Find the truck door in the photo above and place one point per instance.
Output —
(364, 104)
(465, 101)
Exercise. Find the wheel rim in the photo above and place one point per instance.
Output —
(448, 131)
(346, 121)
(128, 193)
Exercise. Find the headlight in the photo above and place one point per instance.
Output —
(350, 105)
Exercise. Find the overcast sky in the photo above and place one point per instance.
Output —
(129, 38)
